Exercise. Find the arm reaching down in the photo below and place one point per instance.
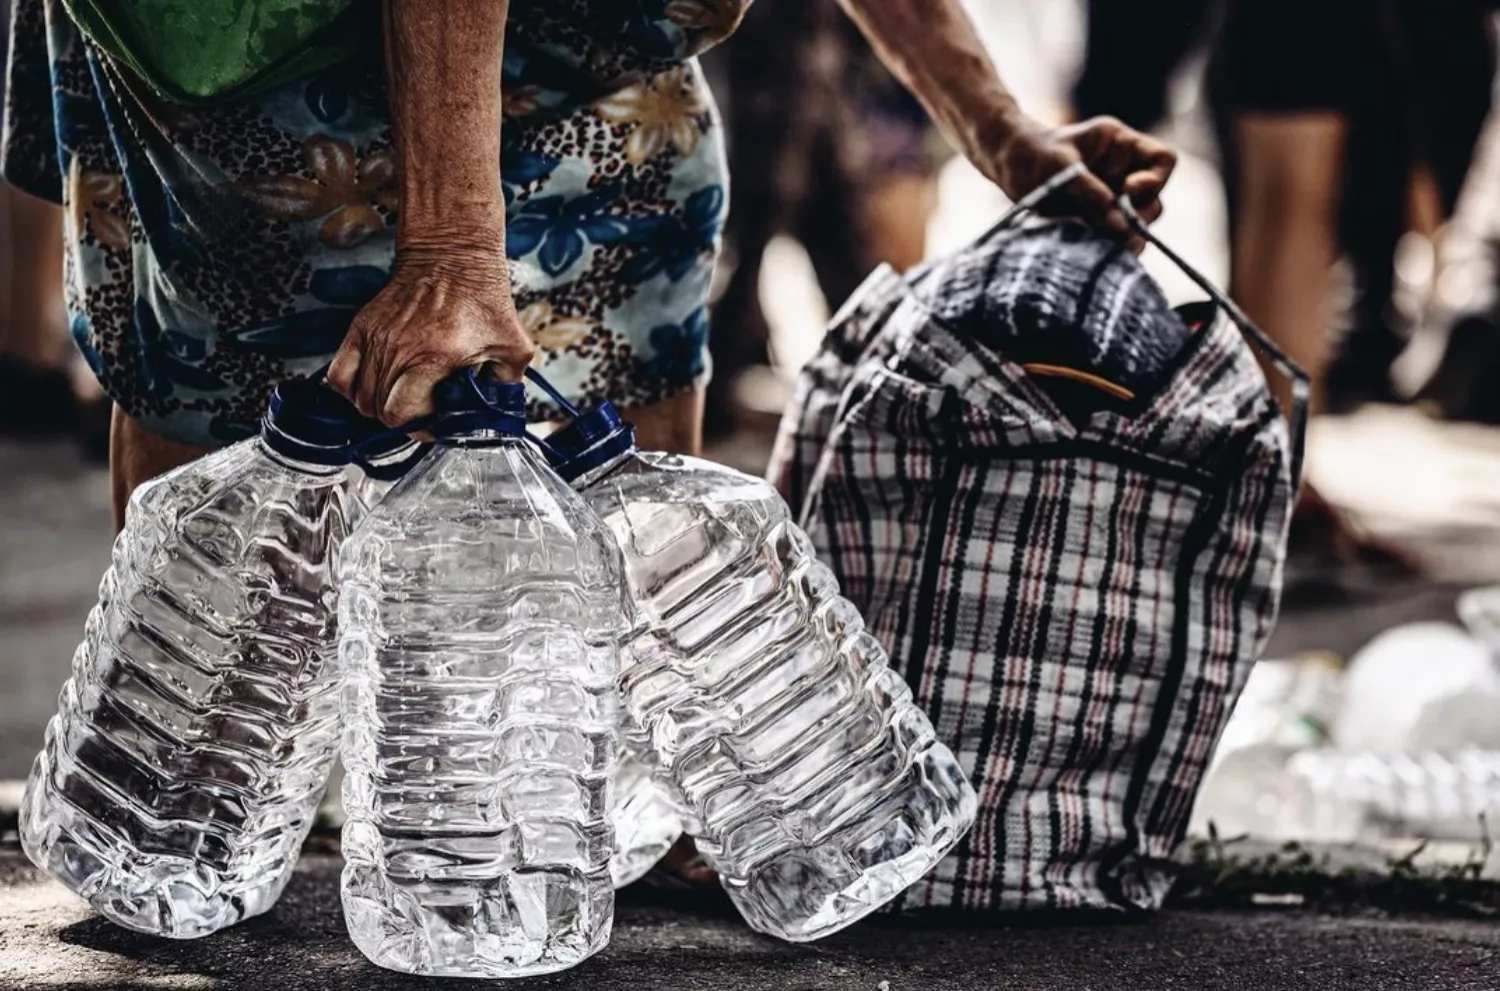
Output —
(932, 47)
(448, 304)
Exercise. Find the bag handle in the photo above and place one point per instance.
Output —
(1301, 385)
(1029, 203)
(1017, 211)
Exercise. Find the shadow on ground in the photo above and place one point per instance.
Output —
(50, 940)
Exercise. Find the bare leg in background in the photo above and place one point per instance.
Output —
(673, 425)
(32, 326)
(896, 209)
(1286, 240)
(137, 455)
(46, 388)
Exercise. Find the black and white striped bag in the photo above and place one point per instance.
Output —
(1074, 590)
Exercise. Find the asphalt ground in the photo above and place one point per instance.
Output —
(50, 940)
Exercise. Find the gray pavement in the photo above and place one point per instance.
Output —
(54, 545)
(50, 941)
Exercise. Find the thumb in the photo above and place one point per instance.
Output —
(509, 357)
(410, 396)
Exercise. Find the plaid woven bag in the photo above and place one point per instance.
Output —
(1075, 600)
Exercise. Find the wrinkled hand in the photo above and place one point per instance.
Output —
(1119, 159)
(446, 307)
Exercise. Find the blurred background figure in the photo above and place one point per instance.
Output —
(826, 147)
(44, 391)
(1346, 126)
(1346, 129)
(1132, 50)
(36, 394)
(34, 389)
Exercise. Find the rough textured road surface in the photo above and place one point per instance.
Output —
(49, 940)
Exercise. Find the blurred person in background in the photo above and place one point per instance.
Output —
(1343, 125)
(898, 153)
(40, 393)
(357, 216)
(1132, 49)
(1464, 311)
(46, 389)
(36, 394)
(826, 146)
(788, 129)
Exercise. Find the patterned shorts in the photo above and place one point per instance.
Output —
(213, 253)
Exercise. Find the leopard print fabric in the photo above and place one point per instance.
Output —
(213, 253)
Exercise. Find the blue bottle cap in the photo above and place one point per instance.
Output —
(468, 403)
(309, 422)
(589, 441)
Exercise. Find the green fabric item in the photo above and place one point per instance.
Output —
(202, 52)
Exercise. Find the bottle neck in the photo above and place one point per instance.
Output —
(296, 464)
(481, 438)
(394, 457)
(604, 469)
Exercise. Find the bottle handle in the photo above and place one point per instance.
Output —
(540, 381)
(572, 412)
(1029, 203)
(458, 395)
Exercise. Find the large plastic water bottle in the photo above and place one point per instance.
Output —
(481, 608)
(193, 742)
(813, 784)
(647, 815)
(1420, 687)
(1343, 796)
(377, 472)
(1480, 610)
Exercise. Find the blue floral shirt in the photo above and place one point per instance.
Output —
(212, 253)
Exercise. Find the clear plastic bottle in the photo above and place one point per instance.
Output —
(1339, 796)
(194, 739)
(1480, 611)
(377, 473)
(647, 820)
(1426, 794)
(646, 813)
(1288, 702)
(812, 783)
(1420, 687)
(481, 610)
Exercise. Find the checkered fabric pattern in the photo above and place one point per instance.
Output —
(1076, 605)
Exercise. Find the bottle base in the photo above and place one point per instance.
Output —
(832, 910)
(812, 891)
(402, 964)
(170, 898)
(500, 928)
